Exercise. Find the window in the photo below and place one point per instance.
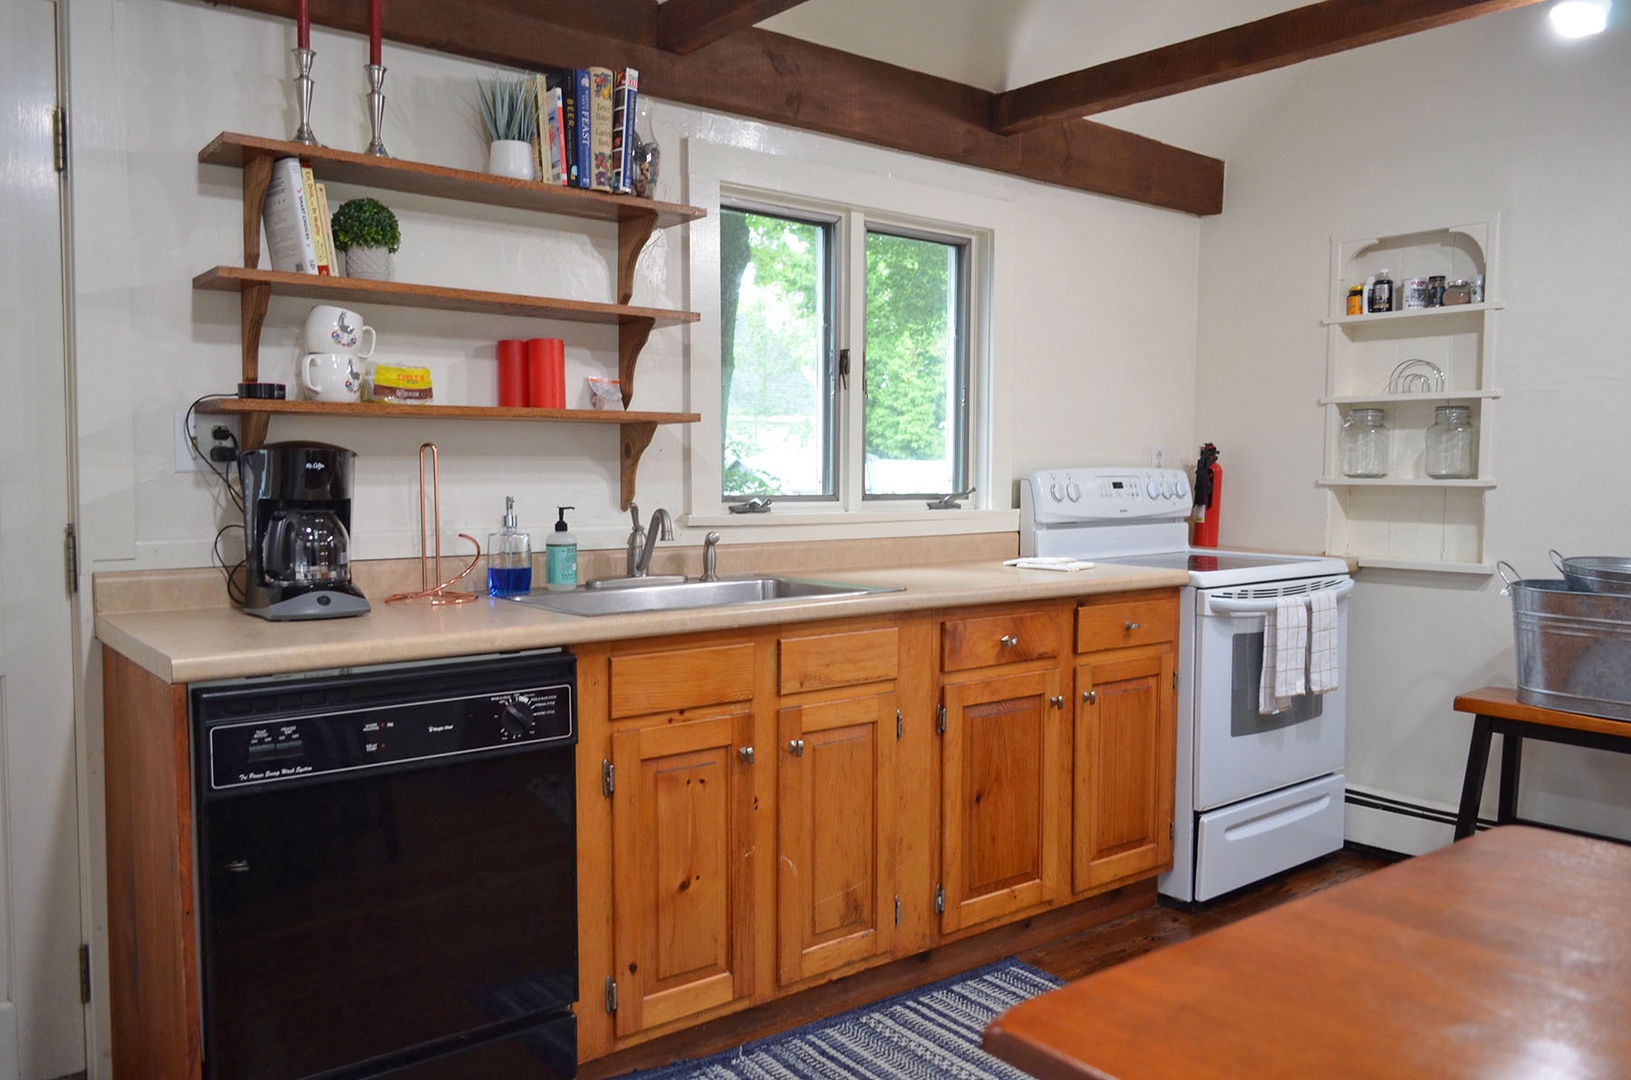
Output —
(811, 414)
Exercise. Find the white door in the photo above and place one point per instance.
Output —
(42, 1023)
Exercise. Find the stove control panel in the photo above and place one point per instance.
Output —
(1085, 494)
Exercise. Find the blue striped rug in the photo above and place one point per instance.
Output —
(929, 1033)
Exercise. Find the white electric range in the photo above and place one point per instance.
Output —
(1255, 793)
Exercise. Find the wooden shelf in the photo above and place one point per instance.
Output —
(416, 178)
(361, 291)
(637, 428)
(635, 219)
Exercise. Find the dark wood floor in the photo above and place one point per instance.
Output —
(1070, 957)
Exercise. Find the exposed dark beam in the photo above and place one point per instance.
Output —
(783, 80)
(684, 26)
(1275, 42)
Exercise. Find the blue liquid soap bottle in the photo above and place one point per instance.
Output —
(561, 556)
(509, 557)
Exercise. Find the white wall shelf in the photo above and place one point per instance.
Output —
(1408, 520)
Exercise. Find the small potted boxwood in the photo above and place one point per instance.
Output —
(366, 230)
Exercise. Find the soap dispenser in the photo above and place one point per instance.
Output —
(561, 556)
(509, 557)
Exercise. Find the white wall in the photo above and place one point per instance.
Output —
(1102, 345)
(1493, 114)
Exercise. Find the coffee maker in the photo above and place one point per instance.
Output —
(297, 539)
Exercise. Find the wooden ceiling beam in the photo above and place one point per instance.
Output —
(783, 80)
(1275, 42)
(684, 26)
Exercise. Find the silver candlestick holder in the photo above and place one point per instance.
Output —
(303, 59)
(376, 107)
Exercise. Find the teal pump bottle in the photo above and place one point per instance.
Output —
(561, 556)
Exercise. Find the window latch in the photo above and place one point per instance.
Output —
(756, 505)
(843, 368)
(949, 502)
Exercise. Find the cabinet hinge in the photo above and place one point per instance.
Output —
(59, 139)
(1175, 678)
(1172, 831)
(70, 558)
(897, 911)
(85, 974)
(611, 995)
(900, 726)
(608, 777)
(939, 899)
(940, 719)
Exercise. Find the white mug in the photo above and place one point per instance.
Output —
(330, 377)
(331, 329)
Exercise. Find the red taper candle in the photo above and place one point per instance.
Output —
(375, 21)
(302, 23)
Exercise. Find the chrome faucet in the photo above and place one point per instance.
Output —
(710, 555)
(642, 542)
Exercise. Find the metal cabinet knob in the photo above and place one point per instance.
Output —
(1057, 701)
(746, 755)
(1090, 696)
(1135, 626)
(796, 747)
(1009, 640)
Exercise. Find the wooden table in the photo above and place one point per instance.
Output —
(1507, 955)
(1497, 710)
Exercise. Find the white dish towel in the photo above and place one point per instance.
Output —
(1285, 654)
(1322, 642)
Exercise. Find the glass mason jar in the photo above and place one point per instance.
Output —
(1365, 443)
(1451, 443)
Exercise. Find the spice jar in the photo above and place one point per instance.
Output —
(1365, 443)
(1457, 292)
(1451, 442)
(1435, 291)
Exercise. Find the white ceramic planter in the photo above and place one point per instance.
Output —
(370, 263)
(513, 158)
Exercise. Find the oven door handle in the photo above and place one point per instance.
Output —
(1263, 607)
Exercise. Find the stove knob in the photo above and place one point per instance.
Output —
(1056, 492)
(1166, 490)
(1182, 487)
(1073, 491)
(1152, 487)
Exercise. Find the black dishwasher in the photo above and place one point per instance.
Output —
(387, 870)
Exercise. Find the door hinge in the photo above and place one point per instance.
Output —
(84, 974)
(939, 899)
(70, 558)
(608, 777)
(897, 911)
(611, 995)
(59, 139)
(940, 719)
(900, 726)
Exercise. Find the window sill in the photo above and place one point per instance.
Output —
(882, 522)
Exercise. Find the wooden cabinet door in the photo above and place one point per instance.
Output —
(682, 869)
(835, 834)
(1126, 728)
(1002, 796)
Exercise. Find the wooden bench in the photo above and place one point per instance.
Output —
(1497, 710)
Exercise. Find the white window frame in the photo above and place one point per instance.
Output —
(770, 181)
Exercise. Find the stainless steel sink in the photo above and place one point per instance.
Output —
(675, 596)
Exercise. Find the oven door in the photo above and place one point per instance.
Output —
(1240, 752)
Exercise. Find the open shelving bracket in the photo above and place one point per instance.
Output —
(634, 438)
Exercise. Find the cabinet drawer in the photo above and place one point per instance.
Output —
(652, 682)
(842, 659)
(1116, 624)
(999, 639)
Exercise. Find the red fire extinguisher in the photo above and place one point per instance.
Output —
(1208, 498)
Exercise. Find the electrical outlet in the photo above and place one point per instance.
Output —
(204, 427)
(1158, 456)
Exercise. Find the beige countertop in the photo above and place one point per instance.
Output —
(218, 642)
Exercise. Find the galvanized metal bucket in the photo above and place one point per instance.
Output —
(1574, 647)
(1595, 573)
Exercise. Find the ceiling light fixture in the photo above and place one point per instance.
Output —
(1580, 18)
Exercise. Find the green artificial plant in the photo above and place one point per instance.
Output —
(509, 108)
(365, 223)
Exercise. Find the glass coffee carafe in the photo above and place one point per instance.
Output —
(306, 547)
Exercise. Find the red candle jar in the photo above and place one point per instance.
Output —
(512, 374)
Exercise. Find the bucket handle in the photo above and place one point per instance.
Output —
(1557, 559)
(1502, 568)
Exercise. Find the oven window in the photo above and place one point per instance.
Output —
(1246, 674)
